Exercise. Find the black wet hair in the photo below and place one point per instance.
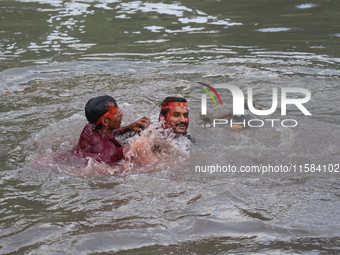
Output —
(97, 107)
(169, 100)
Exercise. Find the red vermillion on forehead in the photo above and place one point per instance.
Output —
(107, 114)
(174, 104)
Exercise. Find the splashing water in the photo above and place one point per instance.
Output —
(139, 154)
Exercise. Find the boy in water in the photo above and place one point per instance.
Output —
(175, 115)
(98, 137)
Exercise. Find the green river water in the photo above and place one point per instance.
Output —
(57, 54)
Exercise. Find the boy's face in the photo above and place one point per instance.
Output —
(114, 121)
(177, 119)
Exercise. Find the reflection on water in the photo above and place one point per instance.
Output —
(46, 31)
(55, 55)
(68, 20)
(306, 6)
(274, 29)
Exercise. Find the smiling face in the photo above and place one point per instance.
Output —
(177, 118)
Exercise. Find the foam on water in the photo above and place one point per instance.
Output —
(54, 150)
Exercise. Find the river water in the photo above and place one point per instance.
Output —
(57, 54)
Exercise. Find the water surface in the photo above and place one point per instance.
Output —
(56, 55)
